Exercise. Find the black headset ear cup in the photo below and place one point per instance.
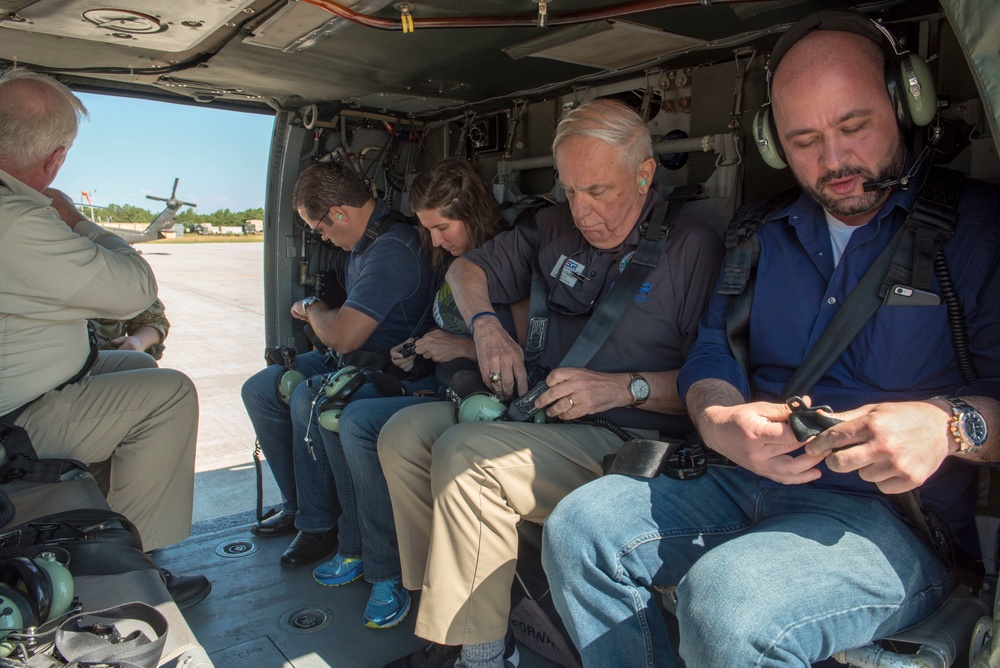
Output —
(20, 601)
(765, 136)
(36, 583)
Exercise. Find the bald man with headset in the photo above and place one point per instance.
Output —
(797, 550)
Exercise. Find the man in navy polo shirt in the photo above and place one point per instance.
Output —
(380, 311)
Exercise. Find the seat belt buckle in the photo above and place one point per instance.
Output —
(806, 421)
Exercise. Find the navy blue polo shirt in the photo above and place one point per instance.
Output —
(389, 280)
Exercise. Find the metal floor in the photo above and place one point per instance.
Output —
(260, 615)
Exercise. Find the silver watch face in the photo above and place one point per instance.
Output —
(639, 389)
(973, 428)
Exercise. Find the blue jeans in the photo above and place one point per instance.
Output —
(306, 481)
(766, 575)
(354, 448)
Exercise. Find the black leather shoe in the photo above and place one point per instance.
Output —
(307, 548)
(186, 590)
(275, 525)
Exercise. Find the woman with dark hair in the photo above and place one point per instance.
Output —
(457, 212)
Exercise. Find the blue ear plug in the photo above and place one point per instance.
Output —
(643, 182)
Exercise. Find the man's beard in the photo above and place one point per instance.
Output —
(858, 205)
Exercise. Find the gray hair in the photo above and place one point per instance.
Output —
(612, 123)
(37, 116)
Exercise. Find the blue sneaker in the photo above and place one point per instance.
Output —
(339, 571)
(388, 605)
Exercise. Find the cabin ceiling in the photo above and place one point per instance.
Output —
(286, 54)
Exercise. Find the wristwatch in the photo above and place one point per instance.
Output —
(968, 427)
(309, 301)
(639, 388)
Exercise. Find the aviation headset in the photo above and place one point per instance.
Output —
(908, 79)
(32, 591)
(338, 387)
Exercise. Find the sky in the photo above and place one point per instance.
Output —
(131, 148)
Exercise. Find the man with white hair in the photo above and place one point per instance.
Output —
(59, 269)
(456, 511)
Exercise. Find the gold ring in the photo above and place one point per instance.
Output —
(571, 404)
(494, 377)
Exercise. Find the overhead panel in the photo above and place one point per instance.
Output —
(172, 26)
(605, 45)
(298, 25)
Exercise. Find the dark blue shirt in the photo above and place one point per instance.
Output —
(389, 280)
(902, 353)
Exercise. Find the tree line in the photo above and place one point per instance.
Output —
(127, 213)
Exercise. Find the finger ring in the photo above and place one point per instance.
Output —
(494, 377)
(571, 403)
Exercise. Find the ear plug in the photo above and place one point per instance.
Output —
(643, 182)
(340, 216)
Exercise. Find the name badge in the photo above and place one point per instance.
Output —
(567, 270)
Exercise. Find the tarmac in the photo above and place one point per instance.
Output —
(214, 298)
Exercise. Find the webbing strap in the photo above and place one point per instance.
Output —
(21, 462)
(739, 271)
(932, 221)
(861, 304)
(78, 644)
(615, 302)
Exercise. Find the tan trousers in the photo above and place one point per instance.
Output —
(458, 492)
(145, 420)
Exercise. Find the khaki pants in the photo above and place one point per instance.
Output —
(458, 492)
(145, 420)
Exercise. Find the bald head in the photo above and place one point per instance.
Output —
(38, 116)
(836, 121)
(824, 54)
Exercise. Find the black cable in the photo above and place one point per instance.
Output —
(612, 427)
(260, 484)
(956, 319)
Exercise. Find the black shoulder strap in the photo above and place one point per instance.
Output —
(381, 225)
(932, 221)
(538, 309)
(614, 303)
(860, 305)
(912, 250)
(739, 272)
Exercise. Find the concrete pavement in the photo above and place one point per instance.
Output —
(214, 298)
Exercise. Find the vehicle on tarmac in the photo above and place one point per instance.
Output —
(389, 87)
